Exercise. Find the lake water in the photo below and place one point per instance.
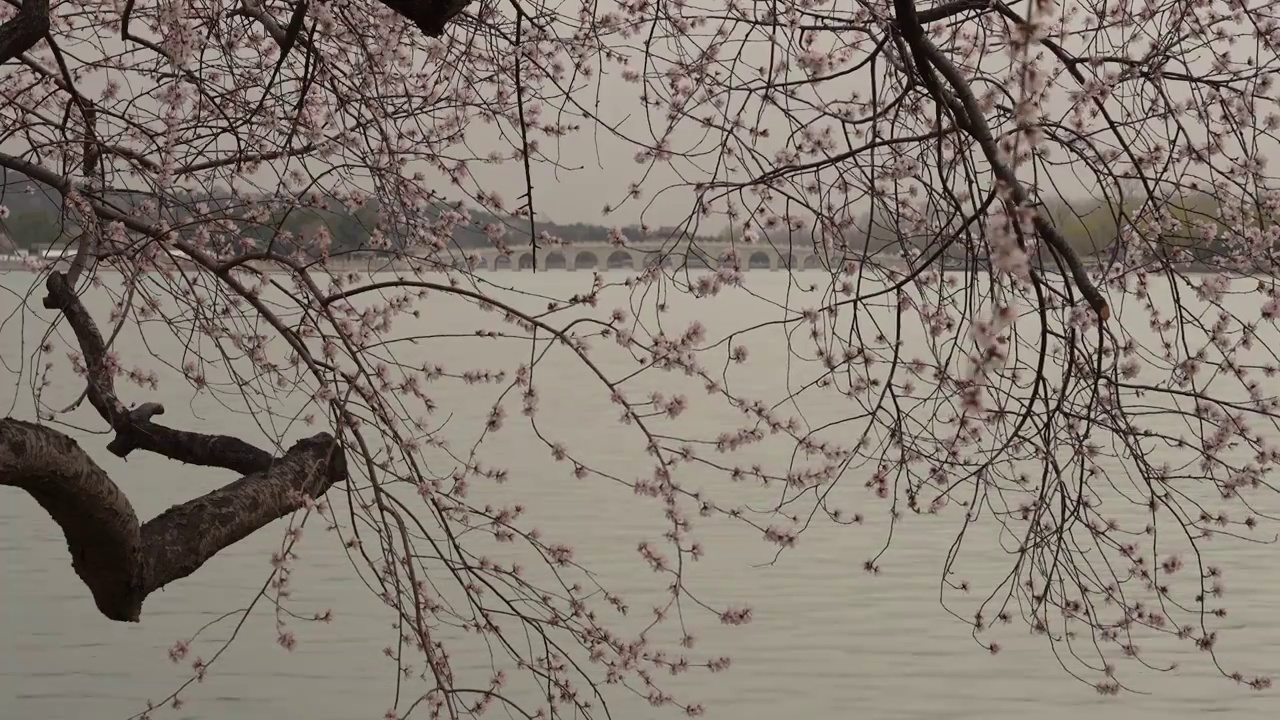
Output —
(828, 640)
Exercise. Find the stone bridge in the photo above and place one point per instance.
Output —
(604, 256)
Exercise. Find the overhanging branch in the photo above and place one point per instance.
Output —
(122, 562)
(968, 115)
(134, 428)
(181, 539)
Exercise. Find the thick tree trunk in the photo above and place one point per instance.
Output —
(102, 530)
(123, 562)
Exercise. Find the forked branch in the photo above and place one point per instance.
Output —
(122, 562)
(134, 428)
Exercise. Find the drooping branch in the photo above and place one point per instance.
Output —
(969, 116)
(120, 561)
(134, 428)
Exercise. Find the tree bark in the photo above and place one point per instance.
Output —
(24, 29)
(121, 561)
(31, 22)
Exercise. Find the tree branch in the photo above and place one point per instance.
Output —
(119, 561)
(431, 16)
(942, 12)
(101, 528)
(224, 451)
(969, 116)
(134, 428)
(181, 539)
(24, 30)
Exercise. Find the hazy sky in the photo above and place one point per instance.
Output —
(602, 169)
(598, 168)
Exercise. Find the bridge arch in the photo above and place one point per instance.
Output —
(555, 261)
(759, 260)
(585, 260)
(812, 262)
(620, 260)
(502, 262)
(526, 262)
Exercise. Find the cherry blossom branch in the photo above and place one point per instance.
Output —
(134, 428)
(969, 116)
(245, 248)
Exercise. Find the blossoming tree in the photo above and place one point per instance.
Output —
(990, 336)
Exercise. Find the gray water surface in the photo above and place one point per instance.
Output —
(828, 640)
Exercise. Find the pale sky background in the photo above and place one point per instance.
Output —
(602, 167)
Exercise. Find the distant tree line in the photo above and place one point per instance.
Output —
(35, 221)
(1193, 228)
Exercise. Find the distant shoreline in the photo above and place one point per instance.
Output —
(380, 266)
